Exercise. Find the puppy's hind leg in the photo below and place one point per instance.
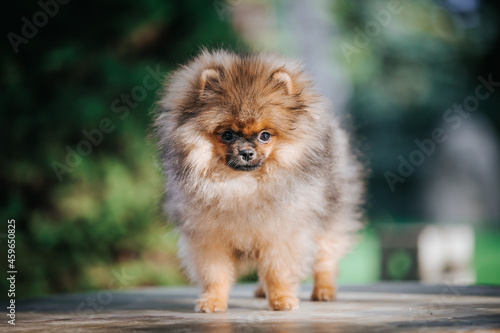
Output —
(325, 270)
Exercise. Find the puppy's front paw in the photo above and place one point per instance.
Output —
(284, 303)
(323, 293)
(210, 305)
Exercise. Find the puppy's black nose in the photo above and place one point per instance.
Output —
(247, 154)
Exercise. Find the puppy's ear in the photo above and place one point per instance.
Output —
(282, 78)
(210, 78)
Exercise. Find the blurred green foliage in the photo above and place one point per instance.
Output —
(409, 64)
(103, 216)
(486, 260)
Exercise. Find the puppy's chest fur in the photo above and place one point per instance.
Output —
(246, 207)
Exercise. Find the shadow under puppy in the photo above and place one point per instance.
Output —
(256, 168)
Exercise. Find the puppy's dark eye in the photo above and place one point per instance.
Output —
(227, 136)
(264, 136)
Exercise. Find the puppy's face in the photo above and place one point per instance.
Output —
(244, 149)
(245, 114)
(251, 115)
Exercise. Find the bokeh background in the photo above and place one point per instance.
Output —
(81, 178)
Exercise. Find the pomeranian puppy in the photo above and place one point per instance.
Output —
(256, 168)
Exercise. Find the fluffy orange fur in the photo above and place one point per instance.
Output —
(256, 168)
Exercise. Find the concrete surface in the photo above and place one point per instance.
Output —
(375, 308)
